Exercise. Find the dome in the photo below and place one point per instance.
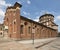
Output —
(46, 15)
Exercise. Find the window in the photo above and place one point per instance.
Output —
(7, 19)
(14, 22)
(21, 30)
(1, 33)
(25, 23)
(35, 26)
(29, 30)
(37, 30)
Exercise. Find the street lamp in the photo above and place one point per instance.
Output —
(33, 31)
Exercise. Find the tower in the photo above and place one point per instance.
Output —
(12, 21)
(48, 20)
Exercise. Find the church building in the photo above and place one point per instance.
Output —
(18, 27)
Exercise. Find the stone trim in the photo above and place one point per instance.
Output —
(13, 9)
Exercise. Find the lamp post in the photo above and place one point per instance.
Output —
(33, 31)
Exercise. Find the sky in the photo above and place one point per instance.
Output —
(33, 9)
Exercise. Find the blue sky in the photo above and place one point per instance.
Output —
(33, 9)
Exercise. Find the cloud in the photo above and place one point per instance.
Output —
(20, 2)
(25, 13)
(58, 17)
(3, 3)
(28, 15)
(28, 2)
(36, 19)
(1, 15)
(1, 12)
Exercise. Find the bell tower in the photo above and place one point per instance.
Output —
(12, 21)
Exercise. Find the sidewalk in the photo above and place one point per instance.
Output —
(25, 44)
(36, 41)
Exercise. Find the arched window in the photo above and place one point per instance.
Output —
(7, 19)
(25, 23)
(35, 26)
(14, 22)
(37, 30)
(1, 33)
(21, 29)
(29, 30)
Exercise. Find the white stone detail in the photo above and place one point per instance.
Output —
(13, 9)
(6, 27)
(17, 8)
(47, 23)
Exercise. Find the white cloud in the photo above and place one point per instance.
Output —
(26, 13)
(20, 2)
(1, 13)
(37, 18)
(0, 22)
(28, 2)
(3, 3)
(58, 17)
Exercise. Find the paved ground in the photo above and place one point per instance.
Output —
(40, 44)
(55, 45)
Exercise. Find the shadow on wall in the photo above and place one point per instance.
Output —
(58, 34)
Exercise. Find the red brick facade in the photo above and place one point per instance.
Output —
(20, 27)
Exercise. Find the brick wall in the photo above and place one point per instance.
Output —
(14, 22)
